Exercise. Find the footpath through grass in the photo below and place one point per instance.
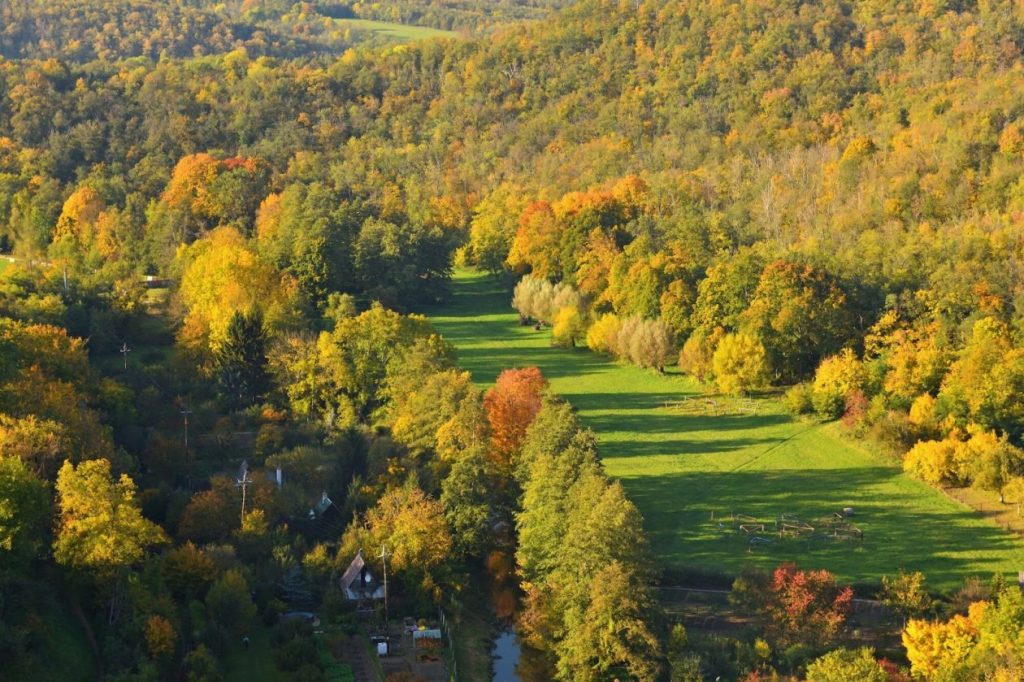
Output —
(680, 467)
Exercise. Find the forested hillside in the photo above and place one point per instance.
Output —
(218, 215)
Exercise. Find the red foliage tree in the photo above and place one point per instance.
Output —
(806, 606)
(511, 404)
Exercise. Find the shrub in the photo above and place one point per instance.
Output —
(842, 665)
(696, 354)
(602, 335)
(798, 399)
(837, 377)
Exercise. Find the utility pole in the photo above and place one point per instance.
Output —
(185, 412)
(387, 630)
(125, 350)
(243, 483)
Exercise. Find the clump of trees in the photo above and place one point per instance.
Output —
(983, 643)
(537, 299)
(583, 557)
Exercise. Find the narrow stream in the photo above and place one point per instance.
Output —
(506, 654)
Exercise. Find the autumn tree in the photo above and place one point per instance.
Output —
(187, 570)
(602, 335)
(222, 276)
(985, 384)
(739, 364)
(24, 506)
(613, 637)
(494, 226)
(800, 606)
(646, 343)
(836, 378)
(800, 314)
(905, 594)
(569, 326)
(413, 528)
(511, 405)
(100, 527)
(933, 646)
(41, 444)
(340, 377)
(535, 245)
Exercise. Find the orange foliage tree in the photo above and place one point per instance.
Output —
(511, 405)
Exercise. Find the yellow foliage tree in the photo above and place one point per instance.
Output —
(220, 276)
(78, 217)
(602, 334)
(938, 462)
(569, 326)
(739, 364)
(837, 376)
(935, 646)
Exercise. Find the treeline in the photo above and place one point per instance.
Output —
(87, 30)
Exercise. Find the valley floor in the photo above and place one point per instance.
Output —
(682, 461)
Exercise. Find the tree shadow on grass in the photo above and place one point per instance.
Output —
(653, 422)
(903, 525)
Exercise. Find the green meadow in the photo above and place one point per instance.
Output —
(689, 469)
(403, 33)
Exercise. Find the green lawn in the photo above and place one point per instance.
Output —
(403, 33)
(679, 468)
(253, 664)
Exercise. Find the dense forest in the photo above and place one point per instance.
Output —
(225, 217)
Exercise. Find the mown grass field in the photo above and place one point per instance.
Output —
(680, 467)
(403, 33)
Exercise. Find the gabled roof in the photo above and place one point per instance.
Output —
(354, 573)
(357, 582)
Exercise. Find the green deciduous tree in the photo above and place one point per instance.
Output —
(843, 665)
(24, 505)
(229, 603)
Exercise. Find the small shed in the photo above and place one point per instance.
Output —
(358, 584)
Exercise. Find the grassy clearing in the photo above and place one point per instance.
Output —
(679, 468)
(403, 33)
(253, 664)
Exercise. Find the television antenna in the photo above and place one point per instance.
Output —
(125, 350)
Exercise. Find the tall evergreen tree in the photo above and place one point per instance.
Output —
(242, 360)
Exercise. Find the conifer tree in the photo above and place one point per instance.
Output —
(242, 360)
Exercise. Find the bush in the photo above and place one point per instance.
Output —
(295, 654)
(602, 335)
(836, 378)
(892, 430)
(695, 356)
(842, 665)
(798, 399)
